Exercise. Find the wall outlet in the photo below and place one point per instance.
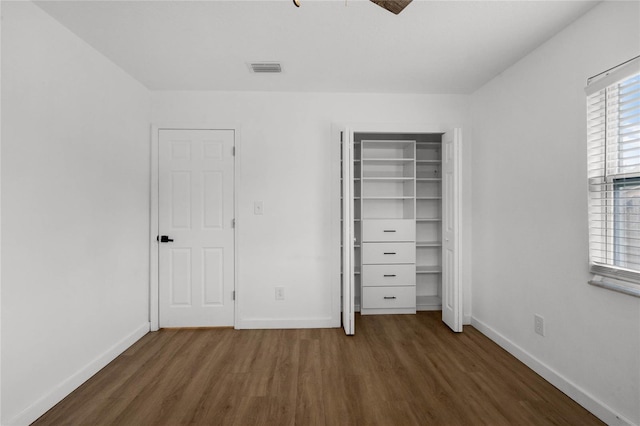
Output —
(279, 293)
(538, 324)
(258, 208)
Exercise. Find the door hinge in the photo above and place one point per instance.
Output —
(341, 137)
(233, 295)
(233, 151)
(233, 223)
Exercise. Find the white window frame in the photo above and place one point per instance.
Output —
(602, 194)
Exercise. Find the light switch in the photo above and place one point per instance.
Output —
(257, 208)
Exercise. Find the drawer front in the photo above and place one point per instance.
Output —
(388, 297)
(388, 230)
(384, 253)
(388, 275)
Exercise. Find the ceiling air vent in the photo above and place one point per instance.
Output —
(265, 67)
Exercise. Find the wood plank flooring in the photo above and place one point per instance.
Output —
(396, 370)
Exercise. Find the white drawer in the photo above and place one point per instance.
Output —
(388, 275)
(383, 253)
(388, 230)
(388, 297)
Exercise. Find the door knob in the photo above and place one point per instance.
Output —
(165, 239)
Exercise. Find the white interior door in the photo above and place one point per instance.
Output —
(451, 179)
(348, 267)
(195, 217)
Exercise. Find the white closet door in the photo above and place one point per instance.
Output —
(348, 234)
(196, 254)
(451, 188)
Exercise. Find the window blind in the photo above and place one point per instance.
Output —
(613, 146)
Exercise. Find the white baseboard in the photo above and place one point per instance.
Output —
(597, 408)
(260, 323)
(57, 394)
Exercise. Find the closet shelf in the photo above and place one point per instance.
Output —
(428, 161)
(432, 219)
(428, 269)
(428, 198)
(387, 198)
(388, 160)
(388, 179)
(422, 179)
(428, 244)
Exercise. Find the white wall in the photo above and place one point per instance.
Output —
(75, 191)
(530, 217)
(287, 160)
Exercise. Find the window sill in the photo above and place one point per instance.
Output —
(616, 285)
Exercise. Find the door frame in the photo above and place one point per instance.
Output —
(364, 127)
(154, 247)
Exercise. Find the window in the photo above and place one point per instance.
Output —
(613, 138)
(626, 232)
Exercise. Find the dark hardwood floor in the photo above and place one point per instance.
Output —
(396, 370)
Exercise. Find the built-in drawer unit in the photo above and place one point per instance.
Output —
(389, 297)
(385, 253)
(389, 275)
(388, 230)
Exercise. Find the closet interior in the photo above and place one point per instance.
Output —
(397, 222)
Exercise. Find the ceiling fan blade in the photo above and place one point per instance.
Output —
(394, 6)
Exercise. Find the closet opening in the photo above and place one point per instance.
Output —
(400, 224)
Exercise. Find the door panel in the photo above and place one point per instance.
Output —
(213, 209)
(195, 196)
(180, 200)
(451, 291)
(213, 264)
(180, 277)
(348, 233)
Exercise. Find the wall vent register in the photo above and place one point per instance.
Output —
(265, 67)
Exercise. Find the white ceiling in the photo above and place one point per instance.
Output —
(431, 47)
